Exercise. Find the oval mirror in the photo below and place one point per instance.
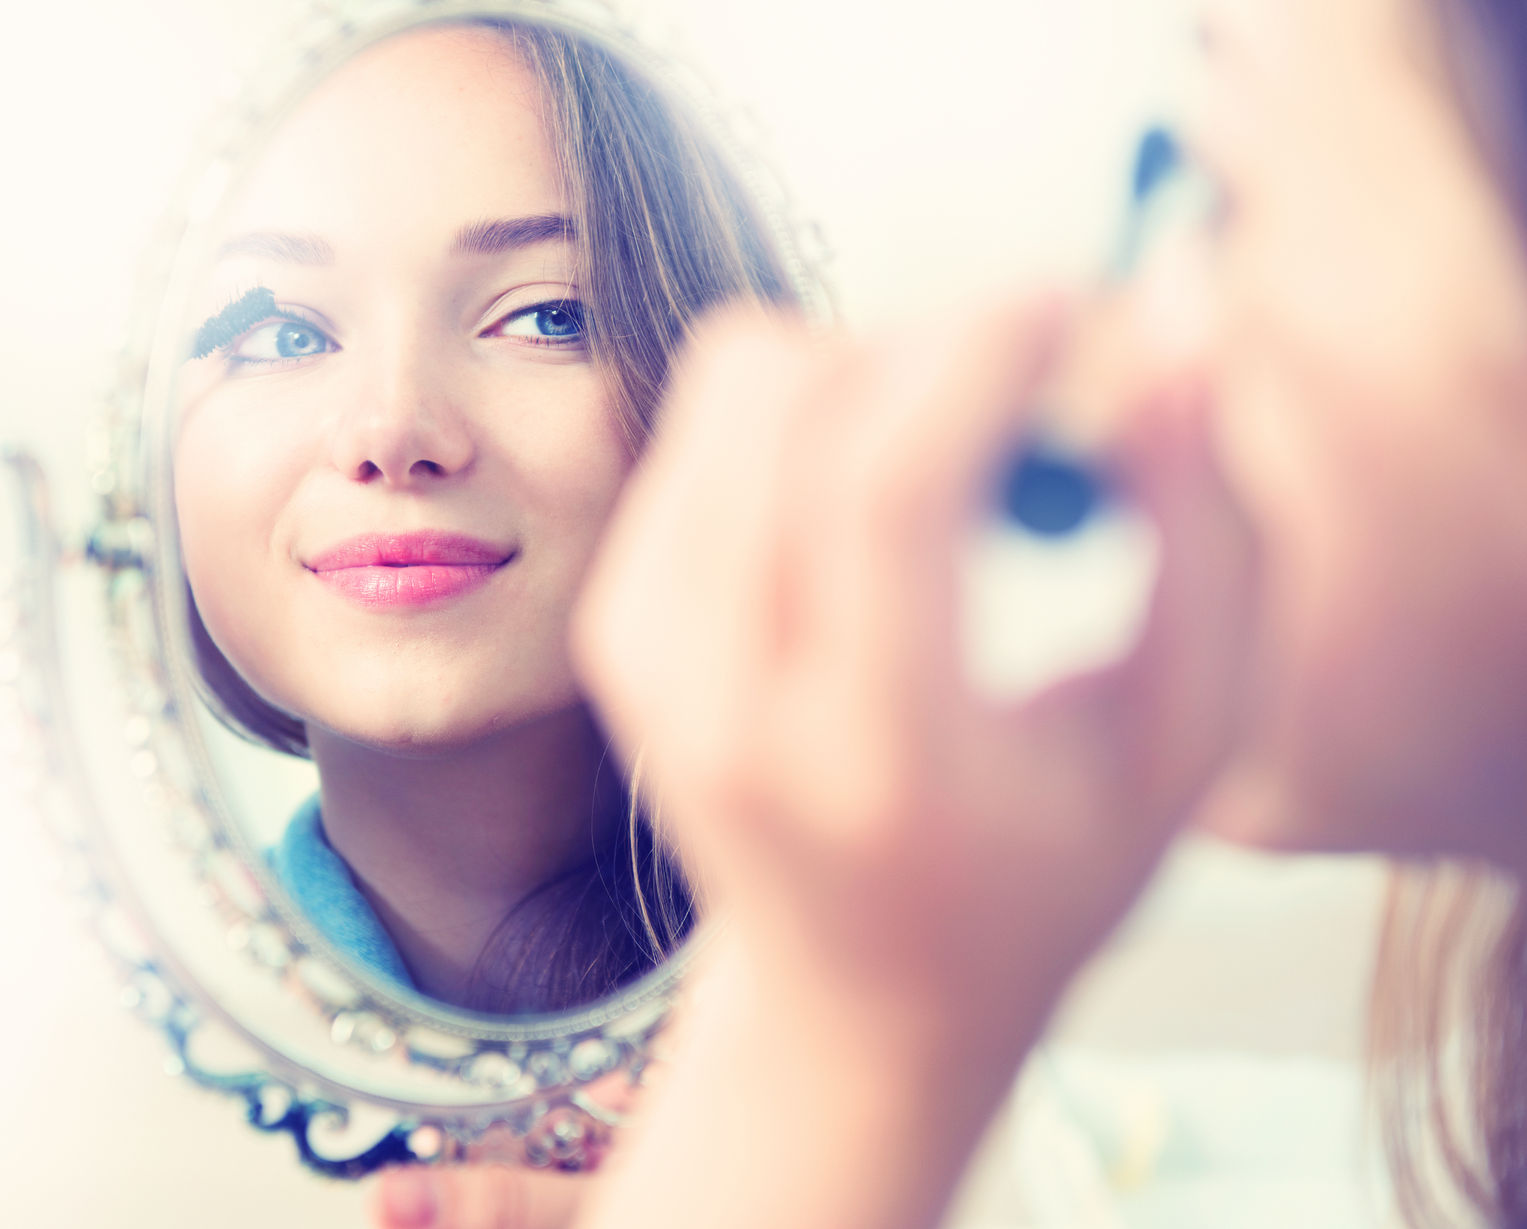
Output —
(361, 851)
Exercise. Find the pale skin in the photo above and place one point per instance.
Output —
(1368, 307)
(459, 764)
(1358, 325)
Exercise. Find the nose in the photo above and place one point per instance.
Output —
(407, 426)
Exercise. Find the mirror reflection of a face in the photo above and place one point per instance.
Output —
(430, 345)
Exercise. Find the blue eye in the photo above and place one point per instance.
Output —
(559, 323)
(281, 340)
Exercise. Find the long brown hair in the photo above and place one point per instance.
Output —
(1447, 1043)
(664, 229)
(1448, 1025)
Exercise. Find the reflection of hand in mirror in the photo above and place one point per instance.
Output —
(437, 325)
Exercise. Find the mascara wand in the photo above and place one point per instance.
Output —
(1047, 490)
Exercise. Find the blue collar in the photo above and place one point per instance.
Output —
(321, 885)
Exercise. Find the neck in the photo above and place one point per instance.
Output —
(445, 845)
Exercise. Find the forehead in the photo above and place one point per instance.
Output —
(415, 135)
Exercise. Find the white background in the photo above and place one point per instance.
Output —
(945, 150)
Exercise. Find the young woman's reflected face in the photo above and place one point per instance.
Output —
(392, 469)
(1369, 320)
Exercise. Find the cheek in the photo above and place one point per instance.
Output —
(572, 466)
(1370, 239)
(230, 487)
(1374, 385)
(1397, 554)
(232, 470)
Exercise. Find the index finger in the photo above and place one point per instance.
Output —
(932, 430)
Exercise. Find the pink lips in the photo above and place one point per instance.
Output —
(413, 569)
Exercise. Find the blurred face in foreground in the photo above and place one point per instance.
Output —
(1366, 305)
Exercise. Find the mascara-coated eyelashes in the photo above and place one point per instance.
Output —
(227, 326)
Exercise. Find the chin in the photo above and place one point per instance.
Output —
(407, 740)
(404, 725)
(425, 706)
(1339, 812)
(1261, 807)
(418, 734)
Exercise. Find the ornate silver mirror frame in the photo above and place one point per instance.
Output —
(253, 1000)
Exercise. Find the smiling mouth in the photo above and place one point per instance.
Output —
(418, 569)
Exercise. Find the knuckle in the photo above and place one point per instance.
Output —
(740, 351)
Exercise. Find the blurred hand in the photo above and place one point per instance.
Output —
(774, 623)
(481, 1196)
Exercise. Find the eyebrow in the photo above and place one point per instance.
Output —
(497, 235)
(486, 238)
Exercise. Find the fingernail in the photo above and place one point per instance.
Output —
(408, 1198)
